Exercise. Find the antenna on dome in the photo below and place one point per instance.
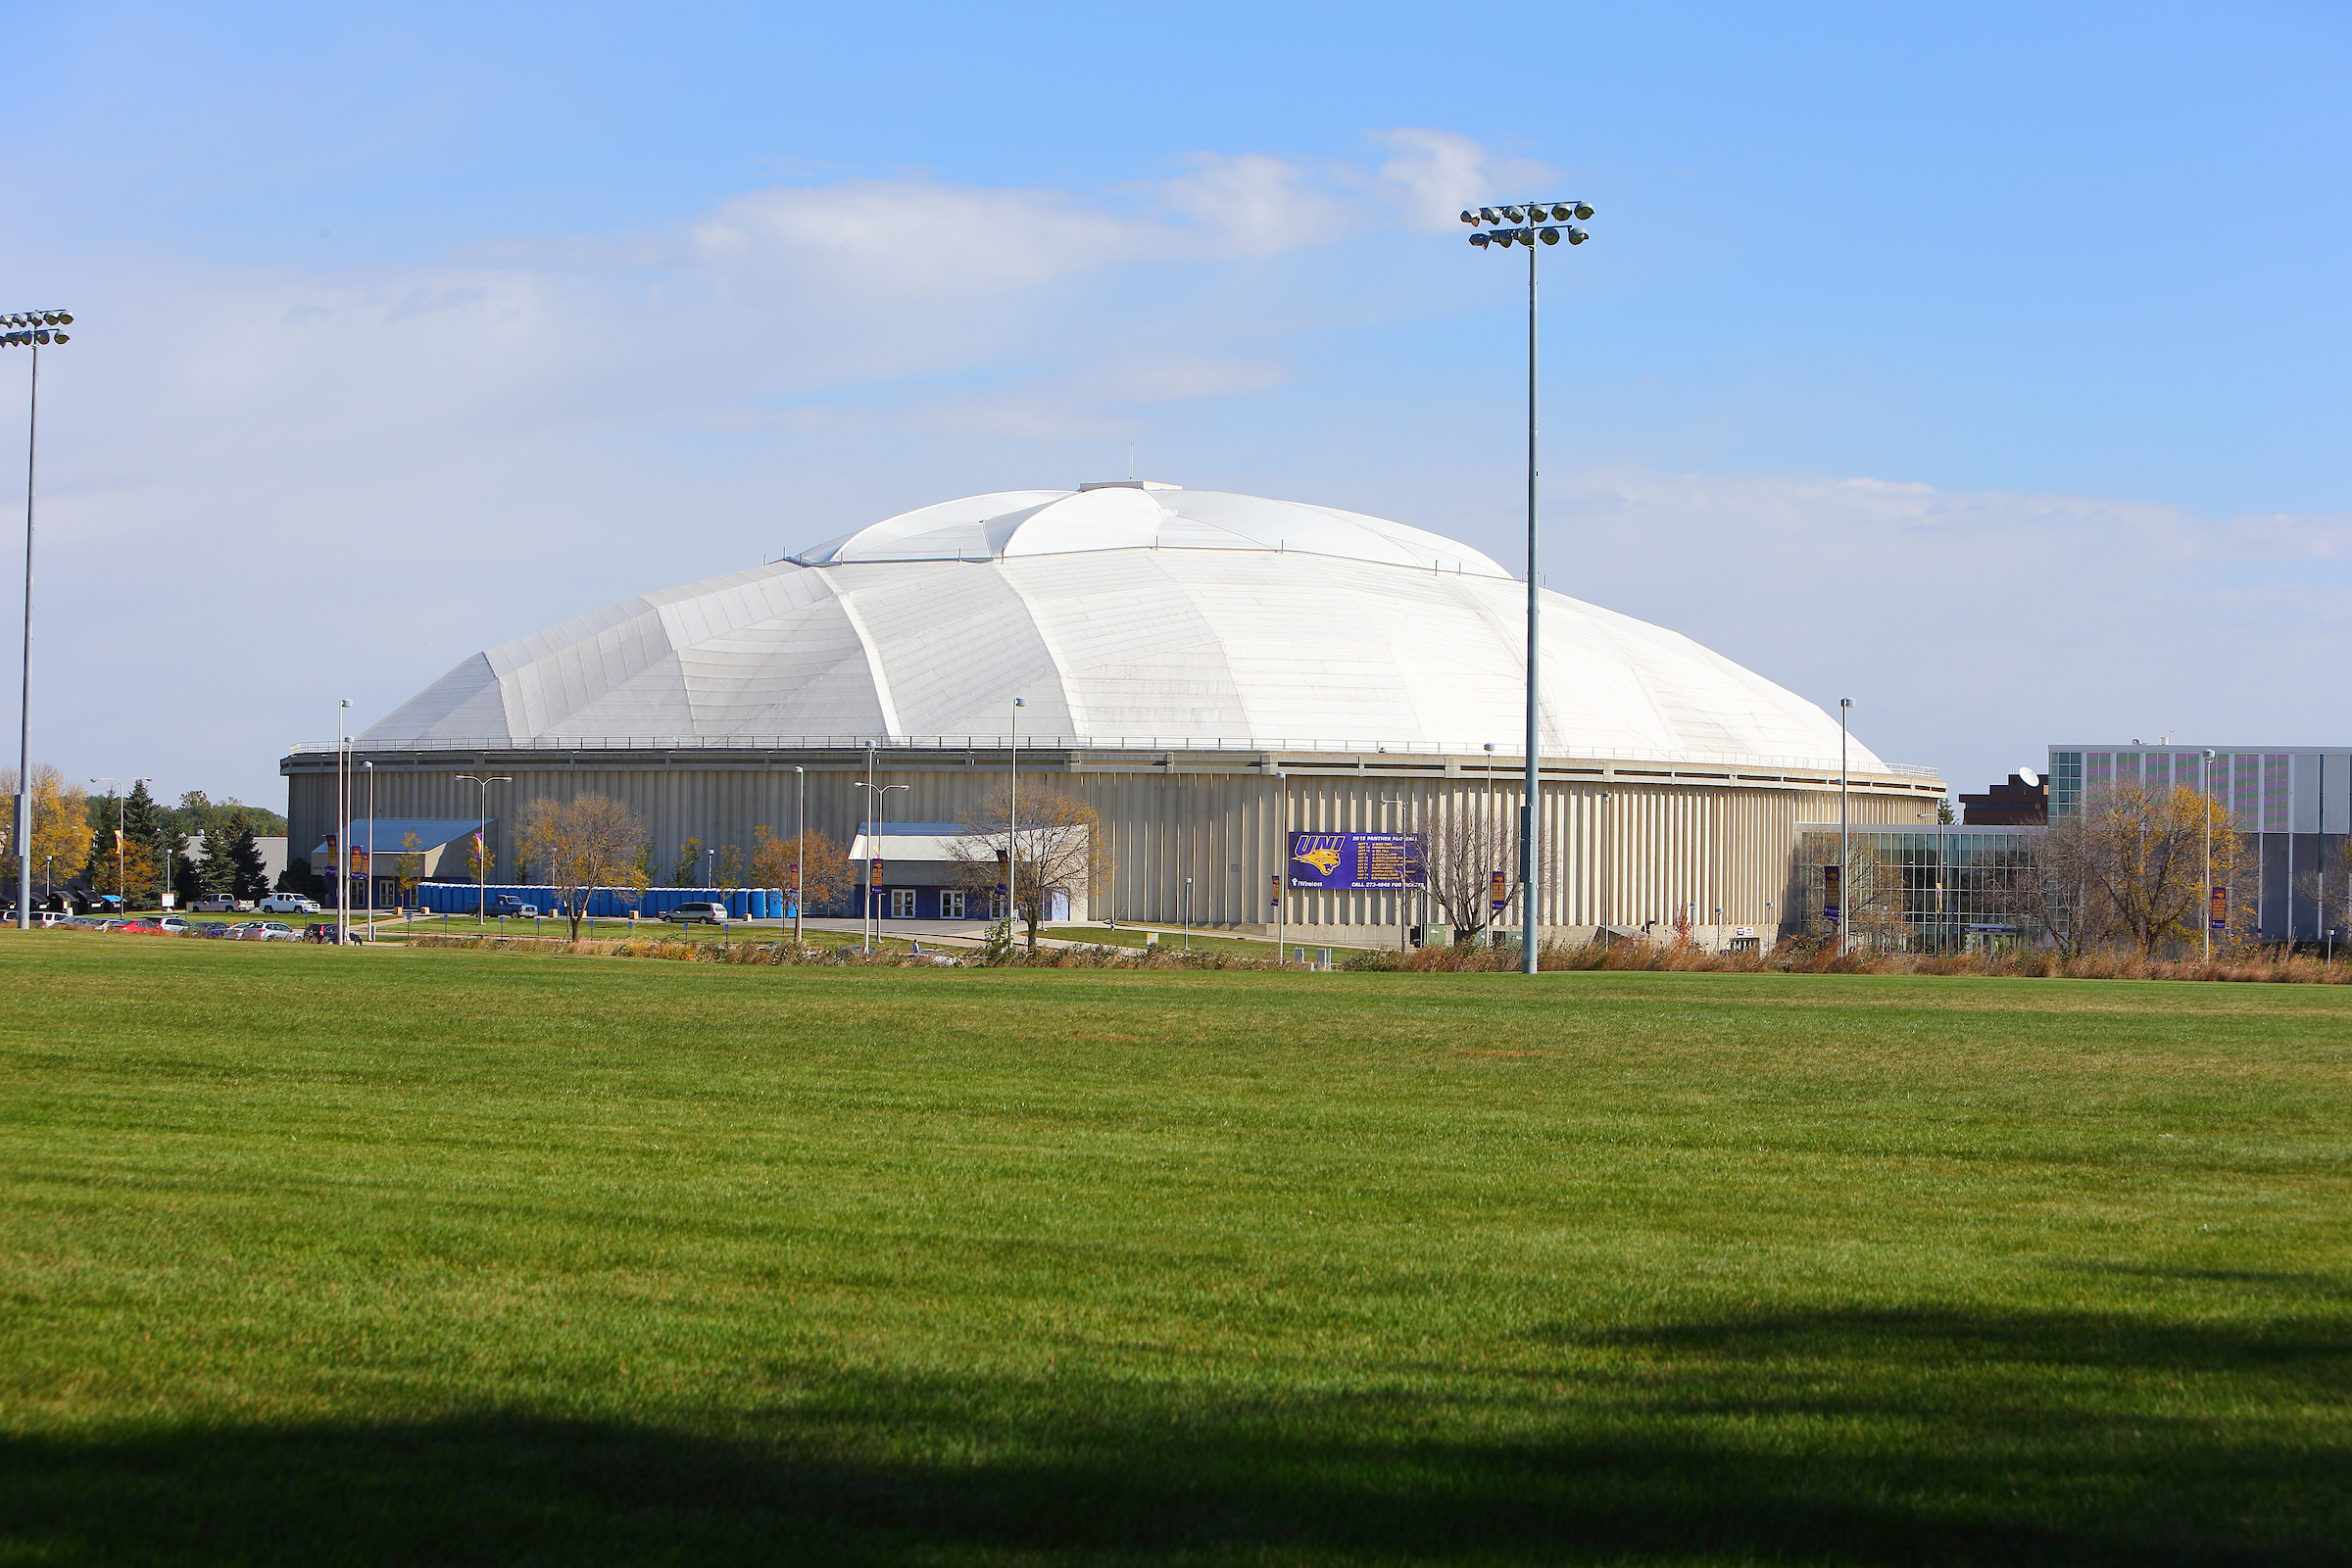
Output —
(1130, 460)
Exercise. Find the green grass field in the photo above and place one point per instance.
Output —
(410, 1255)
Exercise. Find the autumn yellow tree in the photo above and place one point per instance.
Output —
(811, 863)
(580, 845)
(2133, 860)
(408, 867)
(60, 824)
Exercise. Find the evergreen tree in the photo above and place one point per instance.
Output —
(216, 867)
(251, 878)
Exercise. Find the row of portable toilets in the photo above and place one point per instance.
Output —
(464, 898)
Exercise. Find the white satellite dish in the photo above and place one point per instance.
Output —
(2029, 777)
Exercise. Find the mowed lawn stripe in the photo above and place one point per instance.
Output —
(672, 1260)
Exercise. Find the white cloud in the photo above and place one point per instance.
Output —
(1975, 628)
(389, 468)
(1432, 174)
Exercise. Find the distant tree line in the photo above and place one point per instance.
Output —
(136, 846)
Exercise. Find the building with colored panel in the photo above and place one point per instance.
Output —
(2291, 804)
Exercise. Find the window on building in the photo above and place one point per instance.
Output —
(901, 903)
(2066, 782)
(996, 906)
(2275, 777)
(950, 904)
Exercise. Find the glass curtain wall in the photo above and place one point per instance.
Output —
(1925, 891)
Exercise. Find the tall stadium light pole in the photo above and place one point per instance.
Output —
(481, 857)
(799, 850)
(29, 329)
(1533, 224)
(2205, 789)
(1845, 878)
(342, 827)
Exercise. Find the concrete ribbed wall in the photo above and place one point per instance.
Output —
(1623, 843)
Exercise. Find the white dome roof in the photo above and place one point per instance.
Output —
(1127, 614)
(1140, 515)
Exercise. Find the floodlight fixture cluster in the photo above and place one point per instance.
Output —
(33, 328)
(1548, 221)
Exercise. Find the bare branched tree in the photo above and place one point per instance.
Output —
(1460, 856)
(580, 845)
(2329, 886)
(1874, 903)
(1059, 848)
(2037, 888)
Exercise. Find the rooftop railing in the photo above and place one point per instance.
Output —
(1352, 746)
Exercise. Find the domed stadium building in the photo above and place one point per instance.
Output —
(1211, 672)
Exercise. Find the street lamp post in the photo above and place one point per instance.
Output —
(2205, 803)
(369, 767)
(880, 799)
(29, 329)
(481, 846)
(1012, 823)
(1545, 222)
(1845, 874)
(1404, 931)
(1282, 866)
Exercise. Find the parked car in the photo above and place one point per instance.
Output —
(510, 905)
(271, 931)
(285, 904)
(690, 914)
(215, 928)
(178, 925)
(142, 926)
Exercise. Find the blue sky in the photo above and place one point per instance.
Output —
(1988, 367)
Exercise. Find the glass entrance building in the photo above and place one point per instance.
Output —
(1936, 888)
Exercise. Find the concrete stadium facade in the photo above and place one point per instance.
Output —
(1177, 653)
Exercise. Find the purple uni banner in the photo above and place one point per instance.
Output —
(1354, 860)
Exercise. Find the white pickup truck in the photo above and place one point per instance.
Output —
(282, 904)
(221, 904)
